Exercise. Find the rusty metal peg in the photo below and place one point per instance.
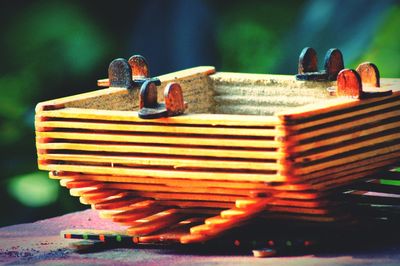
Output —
(333, 63)
(308, 61)
(308, 66)
(140, 71)
(120, 74)
(349, 84)
(149, 108)
(369, 74)
(173, 98)
(139, 66)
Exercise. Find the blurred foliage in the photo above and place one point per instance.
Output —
(250, 36)
(34, 189)
(46, 43)
(43, 45)
(384, 50)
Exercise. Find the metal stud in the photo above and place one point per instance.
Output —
(120, 74)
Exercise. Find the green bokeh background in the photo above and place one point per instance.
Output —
(51, 49)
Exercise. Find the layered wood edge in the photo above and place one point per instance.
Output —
(203, 174)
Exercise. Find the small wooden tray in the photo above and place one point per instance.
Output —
(248, 145)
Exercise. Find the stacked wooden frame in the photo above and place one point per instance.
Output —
(249, 145)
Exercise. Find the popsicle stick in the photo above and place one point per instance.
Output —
(341, 178)
(197, 204)
(345, 137)
(77, 192)
(172, 150)
(169, 181)
(64, 181)
(348, 125)
(188, 196)
(154, 128)
(188, 119)
(117, 204)
(82, 184)
(156, 222)
(217, 225)
(188, 74)
(142, 138)
(351, 167)
(129, 219)
(390, 149)
(322, 117)
(341, 148)
(206, 70)
(172, 235)
(176, 162)
(163, 173)
(163, 188)
(131, 209)
(312, 111)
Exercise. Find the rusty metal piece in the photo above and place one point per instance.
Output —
(120, 74)
(349, 83)
(308, 66)
(129, 74)
(308, 61)
(308, 69)
(369, 74)
(140, 71)
(139, 66)
(333, 63)
(173, 97)
(149, 108)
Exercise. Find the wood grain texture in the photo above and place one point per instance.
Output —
(248, 146)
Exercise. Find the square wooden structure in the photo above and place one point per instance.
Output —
(248, 145)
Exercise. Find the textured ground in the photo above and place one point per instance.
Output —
(39, 243)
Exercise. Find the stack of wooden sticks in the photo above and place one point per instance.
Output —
(248, 146)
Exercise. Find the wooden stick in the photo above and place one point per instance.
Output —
(173, 150)
(163, 173)
(354, 157)
(189, 119)
(169, 181)
(154, 128)
(176, 162)
(339, 104)
(176, 140)
(364, 107)
(316, 132)
(335, 150)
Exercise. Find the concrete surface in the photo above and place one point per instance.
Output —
(39, 243)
